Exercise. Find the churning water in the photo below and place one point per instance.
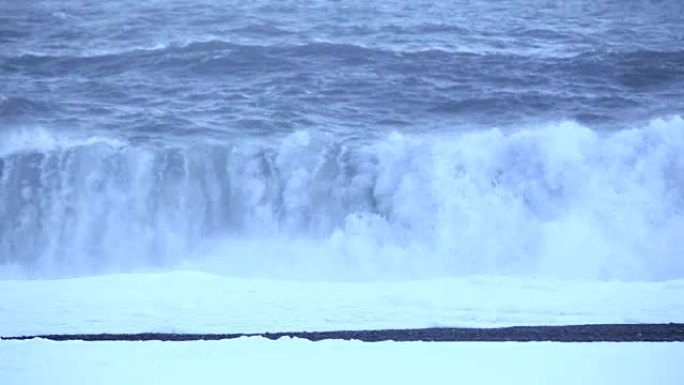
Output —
(343, 140)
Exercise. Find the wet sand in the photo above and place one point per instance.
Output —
(572, 333)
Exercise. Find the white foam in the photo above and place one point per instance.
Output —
(290, 361)
(37, 139)
(194, 302)
(557, 200)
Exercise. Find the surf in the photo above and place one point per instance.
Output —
(559, 199)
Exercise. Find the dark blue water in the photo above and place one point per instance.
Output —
(343, 138)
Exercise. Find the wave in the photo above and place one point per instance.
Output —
(13, 106)
(9, 35)
(634, 68)
(560, 200)
(262, 29)
(211, 44)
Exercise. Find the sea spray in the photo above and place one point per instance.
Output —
(559, 199)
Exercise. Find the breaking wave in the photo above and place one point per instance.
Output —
(556, 200)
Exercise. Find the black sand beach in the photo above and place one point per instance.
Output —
(671, 332)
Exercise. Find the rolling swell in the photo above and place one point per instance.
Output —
(560, 200)
(14, 107)
(431, 85)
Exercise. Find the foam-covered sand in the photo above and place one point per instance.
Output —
(191, 302)
(286, 361)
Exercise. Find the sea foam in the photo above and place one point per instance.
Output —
(553, 200)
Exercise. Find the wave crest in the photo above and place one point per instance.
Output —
(559, 200)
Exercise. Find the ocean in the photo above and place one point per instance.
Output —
(343, 140)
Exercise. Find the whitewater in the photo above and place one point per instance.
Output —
(255, 167)
(557, 200)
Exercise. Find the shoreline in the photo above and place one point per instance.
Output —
(664, 332)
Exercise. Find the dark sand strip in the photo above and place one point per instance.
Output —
(572, 333)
